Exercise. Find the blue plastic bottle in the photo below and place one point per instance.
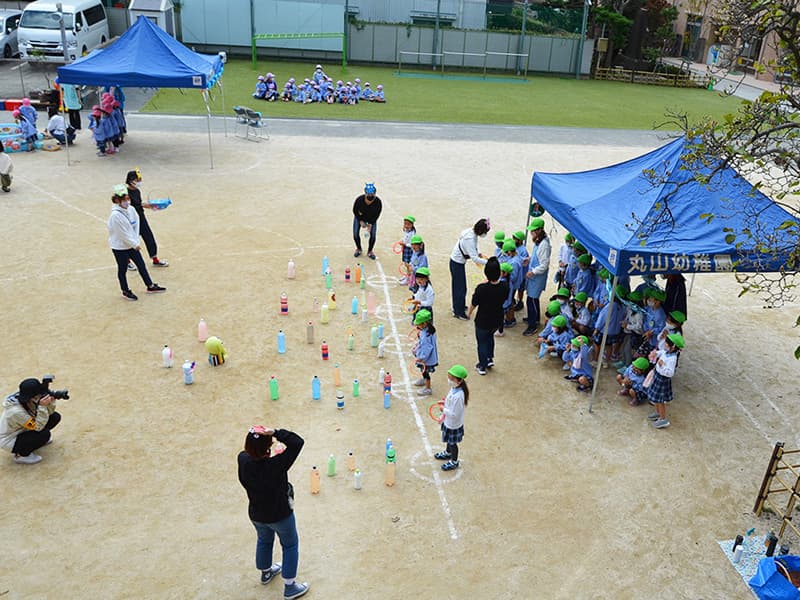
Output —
(380, 331)
(325, 265)
(281, 342)
(354, 305)
(316, 388)
(387, 399)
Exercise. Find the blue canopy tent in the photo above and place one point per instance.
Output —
(650, 216)
(147, 56)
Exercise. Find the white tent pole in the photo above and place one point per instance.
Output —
(224, 114)
(691, 284)
(208, 121)
(599, 365)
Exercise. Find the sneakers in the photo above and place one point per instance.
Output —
(510, 323)
(519, 306)
(490, 363)
(462, 317)
(294, 590)
(129, 295)
(403, 280)
(584, 388)
(653, 416)
(450, 465)
(419, 382)
(270, 574)
(155, 289)
(480, 369)
(131, 266)
(529, 331)
(357, 253)
(157, 262)
(570, 377)
(373, 257)
(499, 334)
(424, 392)
(661, 423)
(443, 455)
(31, 459)
(565, 367)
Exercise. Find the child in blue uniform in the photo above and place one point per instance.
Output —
(632, 381)
(378, 97)
(367, 93)
(660, 390)
(27, 111)
(426, 353)
(565, 255)
(571, 272)
(580, 369)
(418, 259)
(515, 279)
(506, 271)
(316, 95)
(261, 88)
(408, 232)
(337, 91)
(614, 313)
(319, 75)
(27, 129)
(272, 88)
(424, 296)
(97, 132)
(562, 297)
(499, 238)
(553, 310)
(654, 320)
(559, 338)
(582, 323)
(357, 88)
(584, 279)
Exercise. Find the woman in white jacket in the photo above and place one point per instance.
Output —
(123, 237)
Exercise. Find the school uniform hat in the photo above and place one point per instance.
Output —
(676, 339)
(519, 235)
(369, 188)
(270, 75)
(318, 67)
(569, 238)
(563, 292)
(357, 80)
(509, 246)
(26, 102)
(585, 259)
(560, 321)
(260, 78)
(339, 82)
(29, 388)
(581, 297)
(585, 340)
(603, 273)
(422, 316)
(458, 371)
(554, 308)
(380, 87)
(655, 293)
(15, 114)
(120, 190)
(349, 83)
(620, 292)
(506, 267)
(678, 317)
(576, 341)
(291, 80)
(410, 219)
(424, 271)
(537, 223)
(578, 247)
(641, 363)
(499, 236)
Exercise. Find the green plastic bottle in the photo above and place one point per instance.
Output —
(331, 465)
(273, 388)
(356, 387)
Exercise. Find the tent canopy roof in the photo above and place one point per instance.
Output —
(144, 56)
(649, 215)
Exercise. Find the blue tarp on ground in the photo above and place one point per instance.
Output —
(144, 56)
(618, 213)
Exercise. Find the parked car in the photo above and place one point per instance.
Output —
(9, 21)
(39, 37)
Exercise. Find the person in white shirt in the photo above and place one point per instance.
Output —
(424, 296)
(58, 129)
(465, 249)
(6, 166)
(123, 237)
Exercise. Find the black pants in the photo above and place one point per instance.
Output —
(148, 237)
(122, 257)
(28, 441)
(75, 118)
(453, 450)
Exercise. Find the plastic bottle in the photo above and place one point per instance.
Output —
(351, 461)
(324, 314)
(284, 304)
(358, 272)
(331, 465)
(382, 349)
(314, 480)
(371, 303)
(202, 331)
(737, 554)
(373, 336)
(290, 271)
(380, 331)
(315, 306)
(188, 372)
(391, 467)
(363, 281)
(325, 265)
(364, 300)
(281, 342)
(331, 300)
(357, 477)
(316, 391)
(324, 350)
(337, 376)
(356, 388)
(387, 382)
(771, 541)
(351, 341)
(354, 305)
(387, 399)
(328, 280)
(310, 332)
(389, 444)
(364, 315)
(381, 375)
(273, 388)
(347, 274)
(340, 400)
(167, 358)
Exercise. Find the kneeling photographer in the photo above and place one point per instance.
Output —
(28, 417)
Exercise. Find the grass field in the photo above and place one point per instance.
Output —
(554, 101)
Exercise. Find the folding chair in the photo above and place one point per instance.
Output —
(241, 119)
(256, 125)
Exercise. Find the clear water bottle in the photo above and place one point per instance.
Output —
(281, 342)
(381, 375)
(364, 315)
(373, 336)
(382, 349)
(188, 372)
(351, 342)
(166, 357)
(310, 332)
(290, 269)
(324, 313)
(316, 388)
(357, 479)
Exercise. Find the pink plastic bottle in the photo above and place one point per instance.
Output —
(371, 303)
(202, 331)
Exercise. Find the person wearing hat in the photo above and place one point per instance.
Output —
(582, 321)
(562, 297)
(558, 339)
(379, 95)
(580, 367)
(631, 381)
(453, 417)
(319, 75)
(466, 248)
(488, 300)
(27, 129)
(264, 474)
(28, 417)
(407, 233)
(424, 296)
(525, 258)
(123, 237)
(612, 314)
(659, 392)
(261, 88)
(654, 318)
(674, 324)
(585, 280)
(506, 272)
(565, 255)
(132, 181)
(571, 272)
(426, 352)
(553, 310)
(96, 127)
(418, 259)
(499, 238)
(272, 88)
(514, 277)
(536, 277)
(631, 329)
(366, 212)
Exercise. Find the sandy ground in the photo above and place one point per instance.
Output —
(138, 496)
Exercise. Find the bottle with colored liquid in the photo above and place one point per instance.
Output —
(371, 303)
(331, 465)
(332, 300)
(324, 314)
(188, 372)
(202, 331)
(281, 342)
(363, 281)
(387, 399)
(284, 304)
(316, 388)
(357, 479)
(325, 265)
(340, 400)
(391, 467)
(167, 357)
(324, 349)
(389, 444)
(314, 480)
(380, 331)
(310, 332)
(382, 349)
(273, 388)
(771, 541)
(387, 382)
(354, 305)
(356, 388)
(373, 336)
(347, 274)
(358, 272)
(290, 270)
(328, 280)
(351, 461)
(337, 376)
(351, 341)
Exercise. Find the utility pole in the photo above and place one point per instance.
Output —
(521, 46)
(579, 60)
(253, 34)
(345, 35)
(63, 32)
(436, 34)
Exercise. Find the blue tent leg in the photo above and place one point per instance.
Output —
(599, 366)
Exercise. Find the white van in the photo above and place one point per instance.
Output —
(39, 34)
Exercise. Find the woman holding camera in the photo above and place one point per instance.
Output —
(27, 419)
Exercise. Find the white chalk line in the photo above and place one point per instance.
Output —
(437, 480)
(67, 204)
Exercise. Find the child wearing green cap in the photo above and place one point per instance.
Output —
(558, 339)
(418, 259)
(409, 231)
(499, 238)
(424, 296)
(582, 323)
(536, 276)
(514, 278)
(553, 310)
(525, 259)
(580, 357)
(632, 381)
(453, 416)
(565, 255)
(426, 352)
(654, 320)
(674, 324)
(659, 392)
(584, 278)
(562, 297)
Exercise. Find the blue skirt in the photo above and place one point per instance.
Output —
(452, 436)
(407, 252)
(660, 390)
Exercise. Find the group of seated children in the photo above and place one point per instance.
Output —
(107, 123)
(26, 116)
(318, 88)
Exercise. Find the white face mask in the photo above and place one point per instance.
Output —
(125, 203)
(562, 302)
(452, 383)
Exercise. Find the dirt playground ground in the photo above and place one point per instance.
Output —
(138, 497)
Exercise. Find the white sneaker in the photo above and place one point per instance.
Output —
(424, 392)
(403, 280)
(499, 334)
(420, 382)
(31, 459)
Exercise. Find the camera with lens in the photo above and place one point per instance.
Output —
(57, 394)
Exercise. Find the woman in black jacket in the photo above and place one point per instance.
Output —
(272, 502)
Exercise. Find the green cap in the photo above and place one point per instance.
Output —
(416, 239)
(603, 273)
(554, 308)
(410, 219)
(499, 236)
(635, 296)
(509, 246)
(678, 316)
(506, 267)
(620, 292)
(655, 293)
(422, 316)
(458, 371)
(576, 341)
(581, 297)
(585, 340)
(585, 259)
(564, 292)
(519, 235)
(578, 247)
(424, 271)
(677, 339)
(569, 238)
(641, 363)
(120, 189)
(560, 321)
(537, 223)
